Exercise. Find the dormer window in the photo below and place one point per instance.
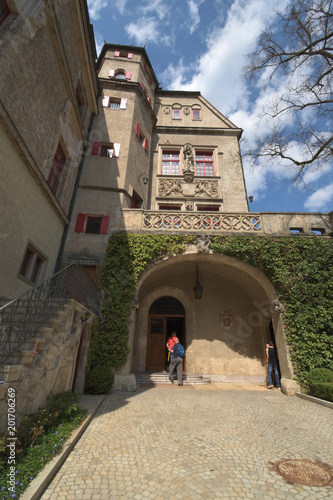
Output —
(176, 114)
(196, 115)
(107, 150)
(120, 74)
(128, 55)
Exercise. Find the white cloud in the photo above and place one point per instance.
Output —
(219, 70)
(95, 6)
(194, 14)
(158, 7)
(99, 41)
(120, 5)
(143, 31)
(321, 200)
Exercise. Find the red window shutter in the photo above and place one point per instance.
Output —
(137, 130)
(143, 86)
(96, 148)
(104, 224)
(128, 75)
(81, 219)
(134, 203)
(116, 53)
(149, 100)
(145, 145)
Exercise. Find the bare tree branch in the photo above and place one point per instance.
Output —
(299, 48)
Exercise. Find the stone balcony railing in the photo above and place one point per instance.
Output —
(263, 223)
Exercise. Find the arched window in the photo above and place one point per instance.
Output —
(120, 75)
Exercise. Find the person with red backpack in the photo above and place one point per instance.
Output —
(177, 362)
(170, 343)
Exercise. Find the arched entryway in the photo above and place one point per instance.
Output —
(166, 315)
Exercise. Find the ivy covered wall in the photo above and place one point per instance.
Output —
(300, 269)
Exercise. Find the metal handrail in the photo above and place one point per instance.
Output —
(21, 317)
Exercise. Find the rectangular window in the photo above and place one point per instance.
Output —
(196, 114)
(170, 163)
(204, 164)
(92, 224)
(207, 208)
(108, 150)
(176, 114)
(143, 140)
(114, 102)
(169, 207)
(4, 11)
(56, 170)
(32, 265)
(128, 55)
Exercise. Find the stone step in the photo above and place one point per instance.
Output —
(10, 373)
(163, 378)
(21, 356)
(45, 332)
(3, 389)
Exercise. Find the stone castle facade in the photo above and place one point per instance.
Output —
(89, 150)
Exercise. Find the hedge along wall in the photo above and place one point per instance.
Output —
(300, 269)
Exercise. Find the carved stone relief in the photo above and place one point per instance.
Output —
(178, 188)
(207, 188)
(170, 187)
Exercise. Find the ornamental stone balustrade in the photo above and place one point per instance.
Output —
(261, 223)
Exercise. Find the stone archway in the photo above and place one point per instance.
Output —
(140, 346)
(232, 354)
(166, 315)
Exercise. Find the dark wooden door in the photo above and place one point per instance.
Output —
(156, 344)
(91, 271)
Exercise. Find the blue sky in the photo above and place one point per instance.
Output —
(201, 45)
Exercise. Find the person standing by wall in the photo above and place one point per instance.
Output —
(272, 365)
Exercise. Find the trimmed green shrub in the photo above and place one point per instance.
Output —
(99, 380)
(323, 391)
(320, 383)
(320, 375)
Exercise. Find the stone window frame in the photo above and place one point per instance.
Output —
(33, 265)
(58, 164)
(4, 11)
(170, 151)
(208, 152)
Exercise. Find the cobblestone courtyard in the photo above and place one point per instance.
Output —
(187, 443)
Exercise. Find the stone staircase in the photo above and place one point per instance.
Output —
(163, 378)
(14, 369)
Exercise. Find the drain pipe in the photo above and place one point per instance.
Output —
(75, 190)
